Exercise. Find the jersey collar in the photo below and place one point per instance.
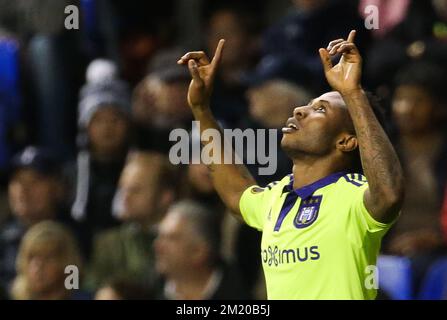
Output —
(306, 191)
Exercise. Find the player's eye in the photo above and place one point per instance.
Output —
(320, 109)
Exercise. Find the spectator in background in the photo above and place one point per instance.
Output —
(159, 101)
(46, 250)
(137, 30)
(35, 193)
(121, 288)
(104, 138)
(272, 100)
(188, 255)
(420, 112)
(419, 35)
(144, 194)
(239, 26)
(292, 43)
(198, 186)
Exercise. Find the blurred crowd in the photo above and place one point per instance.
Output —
(85, 118)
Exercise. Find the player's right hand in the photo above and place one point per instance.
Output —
(202, 72)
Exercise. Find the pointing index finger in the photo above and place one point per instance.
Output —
(218, 54)
(351, 36)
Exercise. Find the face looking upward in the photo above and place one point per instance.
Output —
(319, 128)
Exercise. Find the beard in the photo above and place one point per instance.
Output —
(290, 150)
(296, 149)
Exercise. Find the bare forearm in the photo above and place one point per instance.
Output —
(230, 180)
(379, 159)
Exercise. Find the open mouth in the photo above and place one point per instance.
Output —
(290, 128)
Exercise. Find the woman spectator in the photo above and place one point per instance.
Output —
(45, 252)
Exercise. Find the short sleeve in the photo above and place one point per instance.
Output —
(361, 215)
(255, 203)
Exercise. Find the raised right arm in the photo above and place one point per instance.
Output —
(230, 180)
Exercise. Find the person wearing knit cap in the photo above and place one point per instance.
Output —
(104, 137)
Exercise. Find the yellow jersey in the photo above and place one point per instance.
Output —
(319, 241)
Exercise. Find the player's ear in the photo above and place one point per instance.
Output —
(347, 143)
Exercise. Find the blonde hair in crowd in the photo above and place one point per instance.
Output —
(42, 234)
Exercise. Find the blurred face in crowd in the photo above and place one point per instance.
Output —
(140, 194)
(224, 25)
(160, 103)
(136, 48)
(44, 269)
(199, 176)
(33, 196)
(143, 100)
(413, 109)
(272, 102)
(171, 101)
(108, 131)
(320, 125)
(45, 251)
(179, 249)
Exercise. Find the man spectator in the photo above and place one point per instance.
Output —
(145, 191)
(188, 255)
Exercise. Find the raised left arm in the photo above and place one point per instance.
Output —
(380, 163)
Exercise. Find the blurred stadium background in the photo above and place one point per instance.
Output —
(85, 117)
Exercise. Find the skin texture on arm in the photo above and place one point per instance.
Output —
(380, 163)
(230, 180)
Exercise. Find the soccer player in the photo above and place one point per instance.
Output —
(322, 225)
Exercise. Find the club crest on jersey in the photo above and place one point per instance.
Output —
(307, 212)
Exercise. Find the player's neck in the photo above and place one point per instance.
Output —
(308, 172)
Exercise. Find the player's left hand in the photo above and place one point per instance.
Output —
(344, 76)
